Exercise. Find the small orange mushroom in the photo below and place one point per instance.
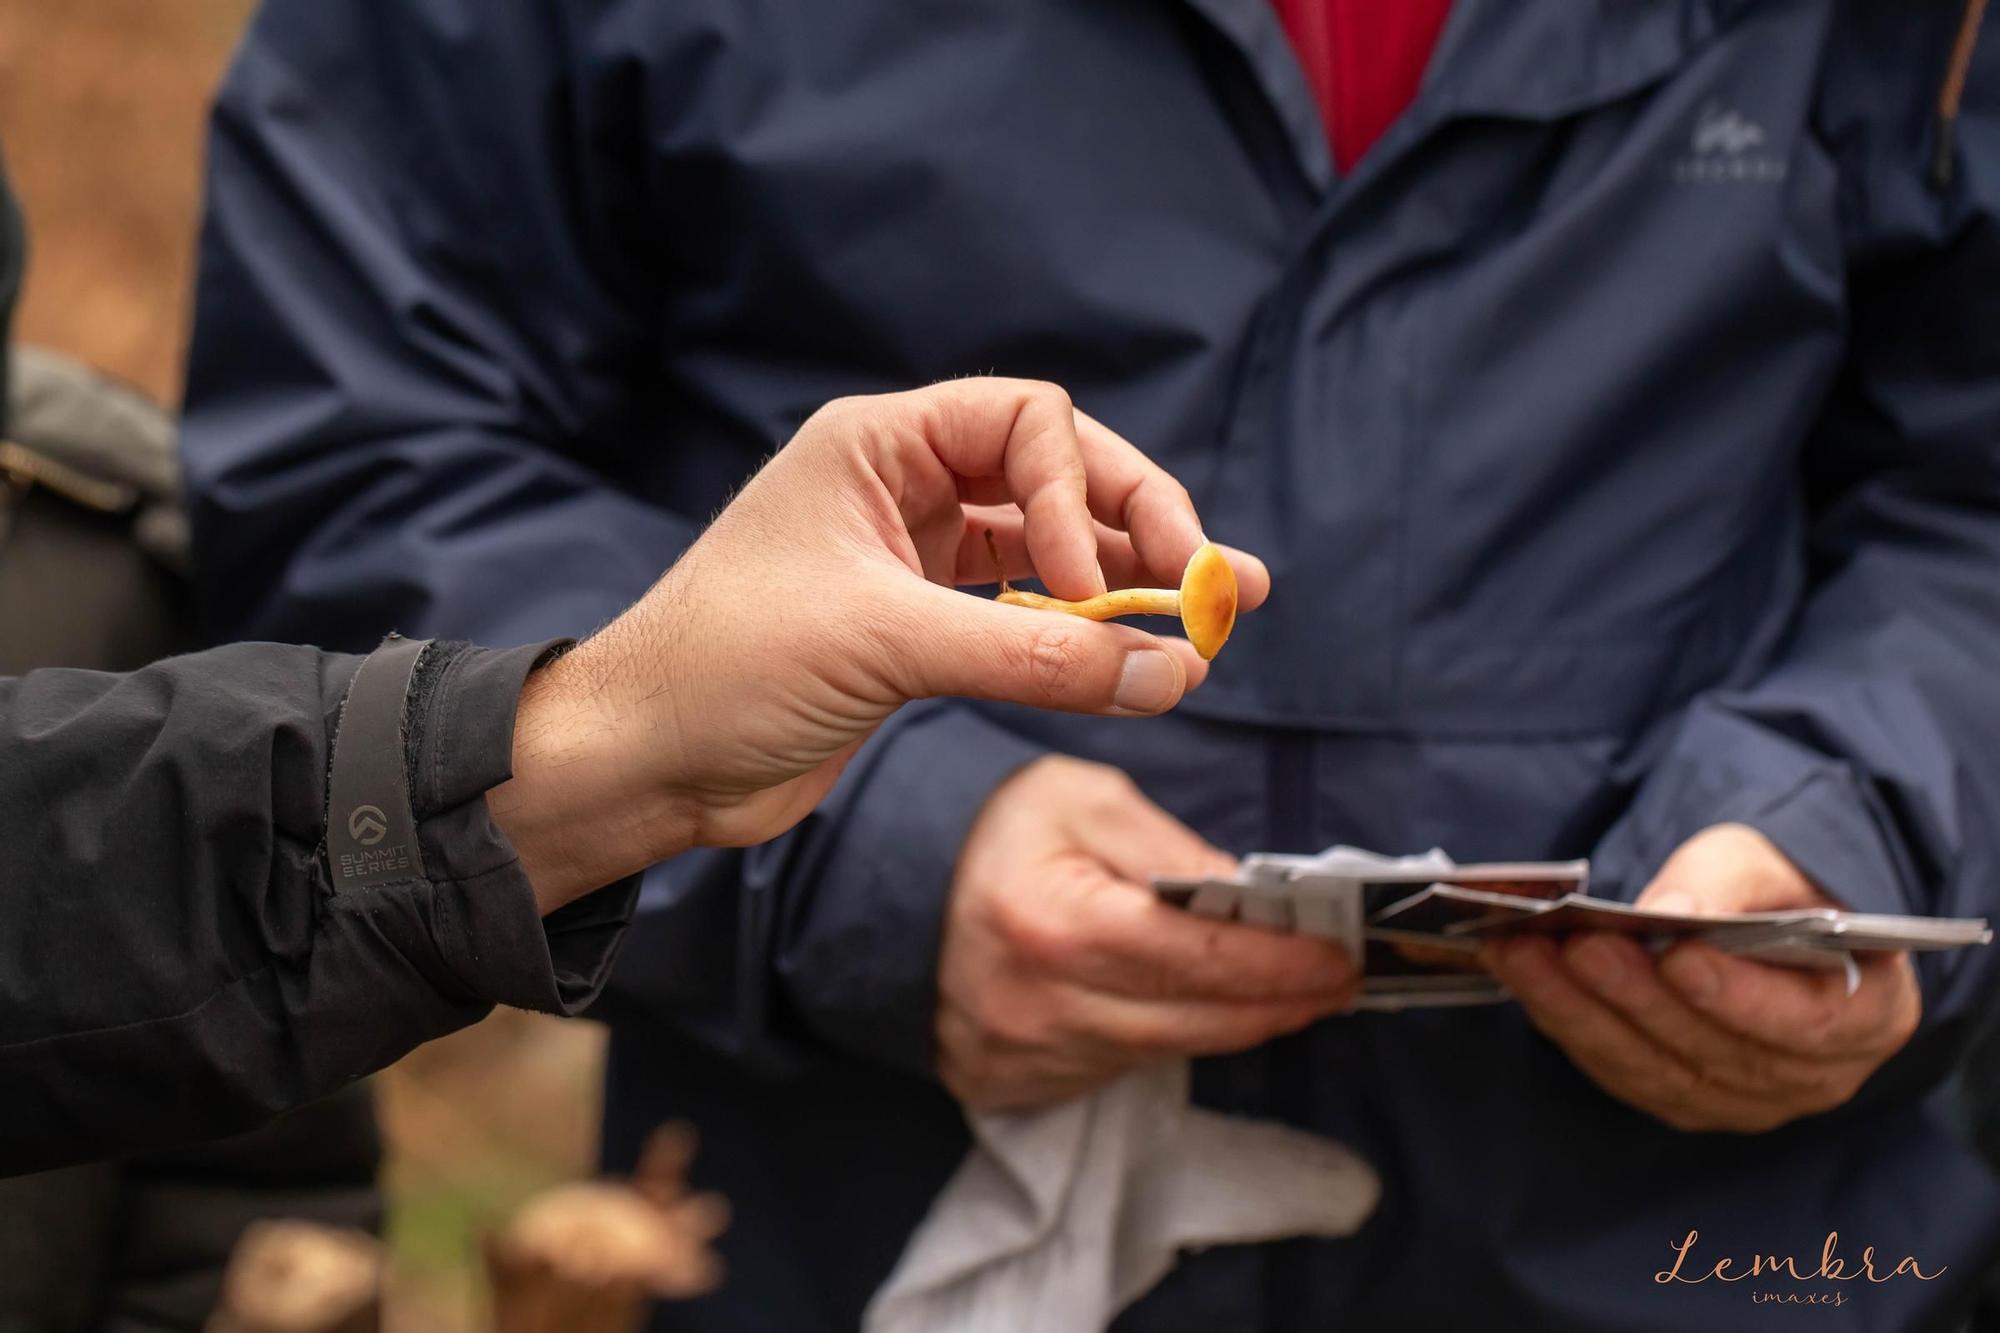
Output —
(1205, 603)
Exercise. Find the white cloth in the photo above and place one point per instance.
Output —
(1060, 1218)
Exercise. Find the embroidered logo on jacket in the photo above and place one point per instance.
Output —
(1724, 148)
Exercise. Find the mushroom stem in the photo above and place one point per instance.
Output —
(1104, 606)
(1206, 602)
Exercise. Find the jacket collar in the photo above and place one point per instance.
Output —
(1545, 59)
(1515, 59)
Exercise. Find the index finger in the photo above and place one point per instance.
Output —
(1133, 944)
(1130, 492)
(1023, 432)
(1061, 467)
(1793, 1010)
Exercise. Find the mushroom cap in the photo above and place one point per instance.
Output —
(1208, 599)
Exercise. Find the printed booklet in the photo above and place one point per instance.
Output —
(1417, 921)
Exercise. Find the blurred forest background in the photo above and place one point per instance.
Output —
(102, 109)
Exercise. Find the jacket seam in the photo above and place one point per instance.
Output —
(218, 993)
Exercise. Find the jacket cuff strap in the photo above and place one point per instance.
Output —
(371, 829)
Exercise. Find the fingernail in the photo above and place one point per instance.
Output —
(1676, 901)
(1148, 683)
(1598, 960)
(1699, 979)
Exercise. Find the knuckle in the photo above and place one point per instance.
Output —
(1304, 971)
(1789, 1075)
(1224, 1036)
(1152, 981)
(1002, 1019)
(1053, 659)
(867, 655)
(1034, 940)
(1279, 977)
(834, 413)
(1774, 878)
(1286, 1020)
(1049, 396)
(1176, 492)
(1108, 792)
(959, 1081)
(973, 1086)
(1048, 947)
(1672, 1082)
(1149, 1036)
(1822, 1026)
(1759, 1069)
(1105, 780)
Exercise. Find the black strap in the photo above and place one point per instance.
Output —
(371, 832)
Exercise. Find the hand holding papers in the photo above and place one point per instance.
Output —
(1417, 922)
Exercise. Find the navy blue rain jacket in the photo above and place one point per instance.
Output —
(1623, 435)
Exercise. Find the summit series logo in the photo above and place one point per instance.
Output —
(367, 825)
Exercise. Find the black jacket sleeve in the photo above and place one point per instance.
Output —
(177, 960)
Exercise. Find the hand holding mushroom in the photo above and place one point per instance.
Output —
(720, 708)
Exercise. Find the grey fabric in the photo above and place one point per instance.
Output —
(1061, 1217)
(88, 436)
(79, 418)
(92, 533)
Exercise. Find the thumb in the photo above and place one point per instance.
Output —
(1728, 868)
(965, 645)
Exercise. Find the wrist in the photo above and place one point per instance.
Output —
(585, 807)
